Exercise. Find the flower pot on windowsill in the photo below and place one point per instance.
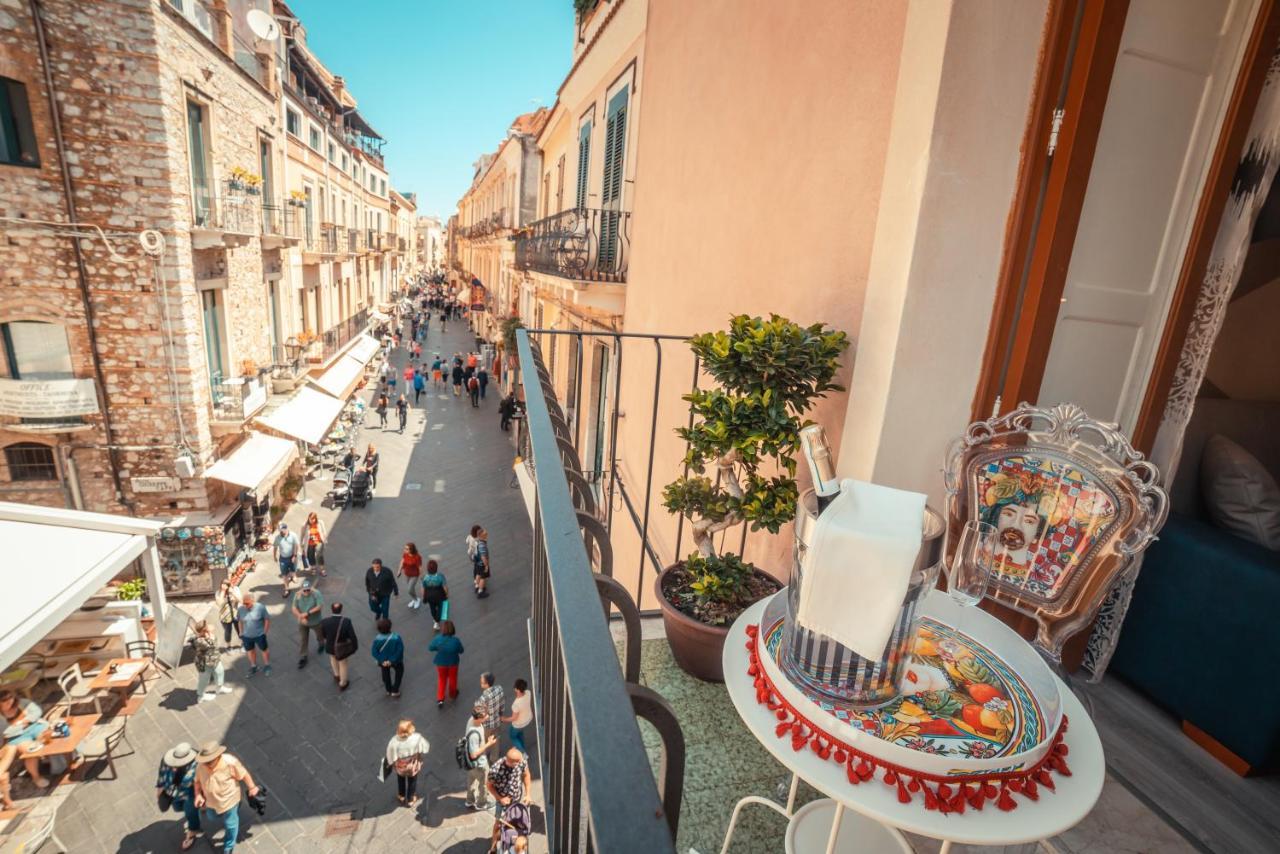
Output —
(697, 646)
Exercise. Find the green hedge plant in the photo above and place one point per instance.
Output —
(744, 441)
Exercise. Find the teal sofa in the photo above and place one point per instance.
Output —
(1203, 630)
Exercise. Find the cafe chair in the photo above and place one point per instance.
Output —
(104, 743)
(75, 689)
(35, 842)
(1073, 504)
(144, 649)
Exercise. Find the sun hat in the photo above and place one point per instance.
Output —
(179, 755)
(306, 584)
(210, 751)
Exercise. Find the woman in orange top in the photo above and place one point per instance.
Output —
(411, 568)
(314, 535)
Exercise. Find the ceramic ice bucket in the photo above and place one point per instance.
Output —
(832, 668)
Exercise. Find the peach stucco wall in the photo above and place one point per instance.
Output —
(758, 170)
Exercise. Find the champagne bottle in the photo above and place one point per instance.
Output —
(822, 465)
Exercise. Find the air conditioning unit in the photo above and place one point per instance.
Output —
(184, 466)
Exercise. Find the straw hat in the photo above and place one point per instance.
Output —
(210, 751)
(179, 755)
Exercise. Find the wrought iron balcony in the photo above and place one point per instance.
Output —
(337, 336)
(279, 224)
(371, 240)
(229, 217)
(585, 244)
(487, 226)
(353, 240)
(237, 398)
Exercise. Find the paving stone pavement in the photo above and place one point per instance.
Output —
(317, 751)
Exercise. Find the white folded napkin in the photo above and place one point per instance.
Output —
(859, 563)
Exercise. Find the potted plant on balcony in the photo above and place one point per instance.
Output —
(238, 181)
(297, 198)
(748, 431)
(253, 184)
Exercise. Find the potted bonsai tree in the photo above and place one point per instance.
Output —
(742, 461)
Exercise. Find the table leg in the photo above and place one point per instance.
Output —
(835, 828)
(946, 846)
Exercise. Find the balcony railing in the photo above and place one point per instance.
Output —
(402, 243)
(329, 239)
(229, 211)
(492, 224)
(390, 241)
(371, 240)
(598, 786)
(237, 398)
(289, 360)
(580, 243)
(280, 221)
(353, 240)
(337, 336)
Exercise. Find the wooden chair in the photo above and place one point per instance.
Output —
(1073, 504)
(104, 743)
(75, 689)
(140, 649)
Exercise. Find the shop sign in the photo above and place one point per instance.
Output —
(155, 484)
(47, 398)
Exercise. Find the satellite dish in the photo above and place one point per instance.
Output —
(263, 25)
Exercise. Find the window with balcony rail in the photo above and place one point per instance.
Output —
(586, 244)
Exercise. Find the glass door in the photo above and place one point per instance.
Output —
(201, 196)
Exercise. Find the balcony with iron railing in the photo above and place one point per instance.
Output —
(340, 334)
(229, 217)
(372, 241)
(584, 244)
(236, 399)
(279, 225)
(390, 242)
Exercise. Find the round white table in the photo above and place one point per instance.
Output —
(1032, 821)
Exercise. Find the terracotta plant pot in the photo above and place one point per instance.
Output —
(697, 647)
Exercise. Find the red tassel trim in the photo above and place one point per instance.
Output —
(946, 794)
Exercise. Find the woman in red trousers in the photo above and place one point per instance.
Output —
(448, 650)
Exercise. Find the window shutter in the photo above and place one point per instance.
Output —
(584, 161)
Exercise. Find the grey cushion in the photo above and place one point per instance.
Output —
(1241, 496)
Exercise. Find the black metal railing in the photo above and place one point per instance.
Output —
(280, 221)
(580, 243)
(337, 336)
(371, 239)
(237, 398)
(598, 786)
(328, 242)
(353, 240)
(289, 360)
(231, 211)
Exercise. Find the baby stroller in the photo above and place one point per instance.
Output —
(340, 494)
(360, 483)
(512, 823)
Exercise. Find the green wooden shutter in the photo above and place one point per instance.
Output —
(584, 161)
(615, 142)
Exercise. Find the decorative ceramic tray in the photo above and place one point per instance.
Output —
(974, 701)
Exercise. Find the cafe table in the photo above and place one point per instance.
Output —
(80, 726)
(128, 672)
(874, 804)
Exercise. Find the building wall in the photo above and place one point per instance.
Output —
(757, 181)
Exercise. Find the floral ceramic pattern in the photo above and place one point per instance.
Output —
(962, 700)
(1047, 514)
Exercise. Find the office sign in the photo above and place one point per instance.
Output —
(47, 398)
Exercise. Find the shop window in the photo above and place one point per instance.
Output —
(17, 135)
(29, 461)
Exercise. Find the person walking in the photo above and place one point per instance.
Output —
(473, 391)
(506, 409)
(457, 380)
(483, 376)
(411, 568)
(436, 593)
(286, 549)
(408, 374)
(381, 585)
(510, 781)
(217, 789)
(208, 661)
(480, 560)
(315, 534)
(491, 698)
(448, 655)
(405, 754)
(437, 377)
(419, 385)
(402, 411)
(521, 715)
(228, 600)
(254, 625)
(340, 643)
(477, 747)
(388, 650)
(381, 408)
(176, 789)
(308, 610)
(371, 459)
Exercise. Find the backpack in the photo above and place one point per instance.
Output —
(462, 752)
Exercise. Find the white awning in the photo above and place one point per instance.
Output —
(64, 557)
(256, 463)
(364, 348)
(342, 377)
(308, 416)
(379, 316)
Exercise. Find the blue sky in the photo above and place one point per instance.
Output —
(441, 80)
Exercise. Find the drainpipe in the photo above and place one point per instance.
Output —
(82, 273)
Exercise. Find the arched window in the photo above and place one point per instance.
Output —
(30, 461)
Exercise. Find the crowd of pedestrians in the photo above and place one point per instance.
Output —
(205, 784)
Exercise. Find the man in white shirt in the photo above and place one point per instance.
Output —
(477, 749)
(521, 715)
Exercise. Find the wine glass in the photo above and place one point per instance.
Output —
(971, 563)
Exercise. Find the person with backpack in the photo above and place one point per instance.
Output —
(478, 546)
(405, 754)
(448, 655)
(472, 755)
(419, 385)
(381, 409)
(437, 375)
(473, 390)
(339, 642)
(388, 650)
(435, 592)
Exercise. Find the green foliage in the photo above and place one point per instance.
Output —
(508, 330)
(717, 579)
(769, 373)
(135, 588)
(582, 7)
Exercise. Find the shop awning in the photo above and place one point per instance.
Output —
(256, 463)
(308, 416)
(64, 557)
(342, 377)
(364, 348)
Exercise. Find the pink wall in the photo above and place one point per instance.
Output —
(758, 167)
